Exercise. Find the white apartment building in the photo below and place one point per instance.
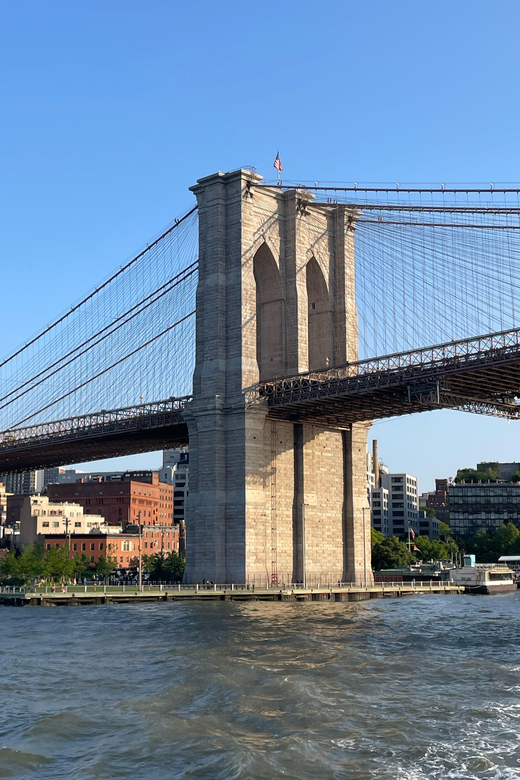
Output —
(403, 503)
(39, 516)
(175, 471)
(3, 504)
(379, 506)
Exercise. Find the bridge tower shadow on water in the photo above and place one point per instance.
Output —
(272, 500)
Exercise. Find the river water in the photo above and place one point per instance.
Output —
(404, 689)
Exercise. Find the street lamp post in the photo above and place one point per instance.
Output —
(304, 562)
(67, 534)
(364, 547)
(140, 553)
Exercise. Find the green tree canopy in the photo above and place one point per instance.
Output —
(472, 475)
(105, 566)
(432, 549)
(506, 539)
(82, 566)
(390, 553)
(169, 568)
(444, 529)
(58, 564)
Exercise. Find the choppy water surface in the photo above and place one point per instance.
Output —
(416, 688)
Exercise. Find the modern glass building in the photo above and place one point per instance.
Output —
(483, 506)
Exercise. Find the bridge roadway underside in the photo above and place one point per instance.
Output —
(90, 445)
(483, 383)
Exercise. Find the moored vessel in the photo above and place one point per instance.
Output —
(484, 578)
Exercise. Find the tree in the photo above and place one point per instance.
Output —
(105, 566)
(390, 553)
(444, 529)
(377, 537)
(487, 548)
(472, 475)
(82, 566)
(505, 538)
(31, 562)
(169, 568)
(58, 564)
(431, 549)
(9, 565)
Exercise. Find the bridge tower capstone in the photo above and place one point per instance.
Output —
(272, 501)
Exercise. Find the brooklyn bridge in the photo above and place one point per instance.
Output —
(268, 326)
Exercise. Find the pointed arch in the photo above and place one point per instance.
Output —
(269, 315)
(319, 318)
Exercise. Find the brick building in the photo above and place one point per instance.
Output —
(120, 501)
(439, 499)
(123, 547)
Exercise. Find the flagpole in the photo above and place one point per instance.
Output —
(279, 167)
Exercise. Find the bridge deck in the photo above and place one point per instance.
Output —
(106, 434)
(480, 375)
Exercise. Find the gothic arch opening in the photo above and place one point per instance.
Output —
(319, 318)
(269, 315)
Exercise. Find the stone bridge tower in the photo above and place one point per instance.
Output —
(272, 501)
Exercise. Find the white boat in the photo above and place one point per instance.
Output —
(484, 577)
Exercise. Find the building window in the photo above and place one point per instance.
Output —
(77, 525)
(83, 546)
(45, 524)
(74, 546)
(55, 524)
(92, 545)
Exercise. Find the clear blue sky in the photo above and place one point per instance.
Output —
(111, 110)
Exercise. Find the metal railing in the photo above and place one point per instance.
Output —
(397, 367)
(153, 414)
(222, 588)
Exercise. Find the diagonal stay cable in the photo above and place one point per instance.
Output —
(105, 370)
(159, 293)
(98, 289)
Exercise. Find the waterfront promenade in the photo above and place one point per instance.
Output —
(76, 595)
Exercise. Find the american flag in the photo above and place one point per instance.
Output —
(278, 163)
(412, 532)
